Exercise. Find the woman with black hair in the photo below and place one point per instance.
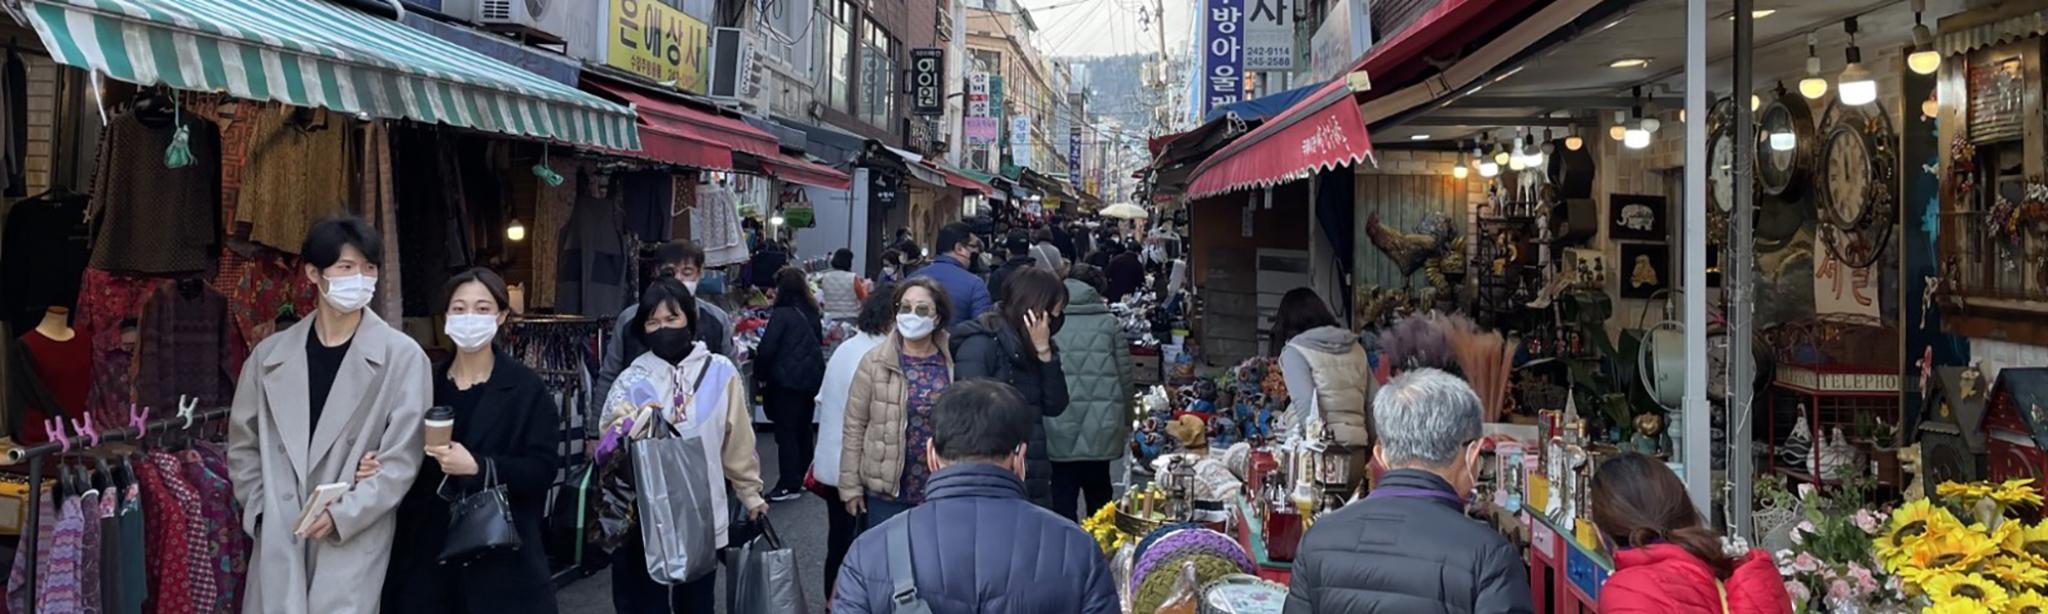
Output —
(1013, 344)
(699, 393)
(841, 290)
(1325, 368)
(789, 368)
(505, 432)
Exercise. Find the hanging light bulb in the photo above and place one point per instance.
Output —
(1549, 146)
(1572, 141)
(515, 231)
(1924, 59)
(1651, 124)
(1814, 86)
(1681, 116)
(1501, 155)
(1931, 107)
(1755, 102)
(1534, 157)
(1856, 85)
(1459, 171)
(1477, 157)
(1516, 163)
(1620, 127)
(1488, 169)
(1636, 137)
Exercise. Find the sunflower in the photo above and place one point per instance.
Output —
(2017, 573)
(1907, 525)
(2025, 542)
(2016, 492)
(1957, 606)
(2029, 602)
(1948, 548)
(1964, 492)
(1967, 587)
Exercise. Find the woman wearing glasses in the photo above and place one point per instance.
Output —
(882, 468)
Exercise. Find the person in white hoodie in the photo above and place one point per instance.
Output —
(700, 394)
(1325, 368)
(877, 317)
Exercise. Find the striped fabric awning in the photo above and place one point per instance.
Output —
(313, 53)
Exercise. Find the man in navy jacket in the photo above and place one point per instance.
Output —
(976, 544)
(949, 268)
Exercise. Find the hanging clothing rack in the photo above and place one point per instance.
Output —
(36, 454)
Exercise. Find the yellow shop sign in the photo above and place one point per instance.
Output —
(659, 42)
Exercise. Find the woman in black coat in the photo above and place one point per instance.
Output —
(505, 422)
(1013, 344)
(789, 366)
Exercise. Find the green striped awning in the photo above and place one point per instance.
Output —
(313, 53)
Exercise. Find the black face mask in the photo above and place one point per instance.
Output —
(671, 344)
(1057, 322)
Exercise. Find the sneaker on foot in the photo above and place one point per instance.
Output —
(784, 494)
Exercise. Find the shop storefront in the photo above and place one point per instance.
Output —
(1810, 344)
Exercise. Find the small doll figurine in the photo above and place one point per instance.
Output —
(1146, 443)
(1222, 432)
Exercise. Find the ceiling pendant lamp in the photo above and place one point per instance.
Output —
(1501, 155)
(1856, 85)
(1637, 136)
(1924, 59)
(1458, 170)
(1572, 142)
(1477, 157)
(1814, 86)
(1620, 128)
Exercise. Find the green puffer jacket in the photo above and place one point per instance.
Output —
(1097, 361)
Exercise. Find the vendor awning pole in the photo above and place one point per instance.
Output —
(1740, 283)
(1697, 436)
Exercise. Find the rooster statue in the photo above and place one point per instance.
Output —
(1411, 251)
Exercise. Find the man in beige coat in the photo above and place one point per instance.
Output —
(337, 398)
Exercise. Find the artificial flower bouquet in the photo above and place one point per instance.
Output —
(1832, 565)
(1965, 551)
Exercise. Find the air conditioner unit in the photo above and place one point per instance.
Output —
(541, 20)
(734, 73)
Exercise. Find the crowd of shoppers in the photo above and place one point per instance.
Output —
(965, 429)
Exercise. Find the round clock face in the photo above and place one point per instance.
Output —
(1848, 176)
(1721, 171)
(1776, 165)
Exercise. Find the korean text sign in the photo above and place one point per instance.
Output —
(658, 42)
(1222, 53)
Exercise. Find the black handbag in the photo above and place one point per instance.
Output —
(479, 523)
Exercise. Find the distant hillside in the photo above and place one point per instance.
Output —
(1117, 88)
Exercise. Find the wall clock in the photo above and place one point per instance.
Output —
(1786, 143)
(1856, 180)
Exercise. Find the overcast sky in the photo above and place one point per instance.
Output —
(1107, 27)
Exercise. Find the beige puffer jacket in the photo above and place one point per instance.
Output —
(871, 457)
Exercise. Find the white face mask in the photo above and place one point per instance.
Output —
(913, 326)
(350, 293)
(471, 331)
(692, 285)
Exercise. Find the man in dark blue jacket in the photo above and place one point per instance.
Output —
(976, 544)
(949, 267)
(1408, 547)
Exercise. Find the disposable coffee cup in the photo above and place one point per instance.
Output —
(440, 425)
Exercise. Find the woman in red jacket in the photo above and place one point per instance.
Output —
(1665, 560)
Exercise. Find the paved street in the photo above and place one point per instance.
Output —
(801, 523)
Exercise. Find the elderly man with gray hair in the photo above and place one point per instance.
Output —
(1408, 547)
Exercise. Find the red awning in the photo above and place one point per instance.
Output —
(794, 170)
(1324, 130)
(681, 146)
(660, 111)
